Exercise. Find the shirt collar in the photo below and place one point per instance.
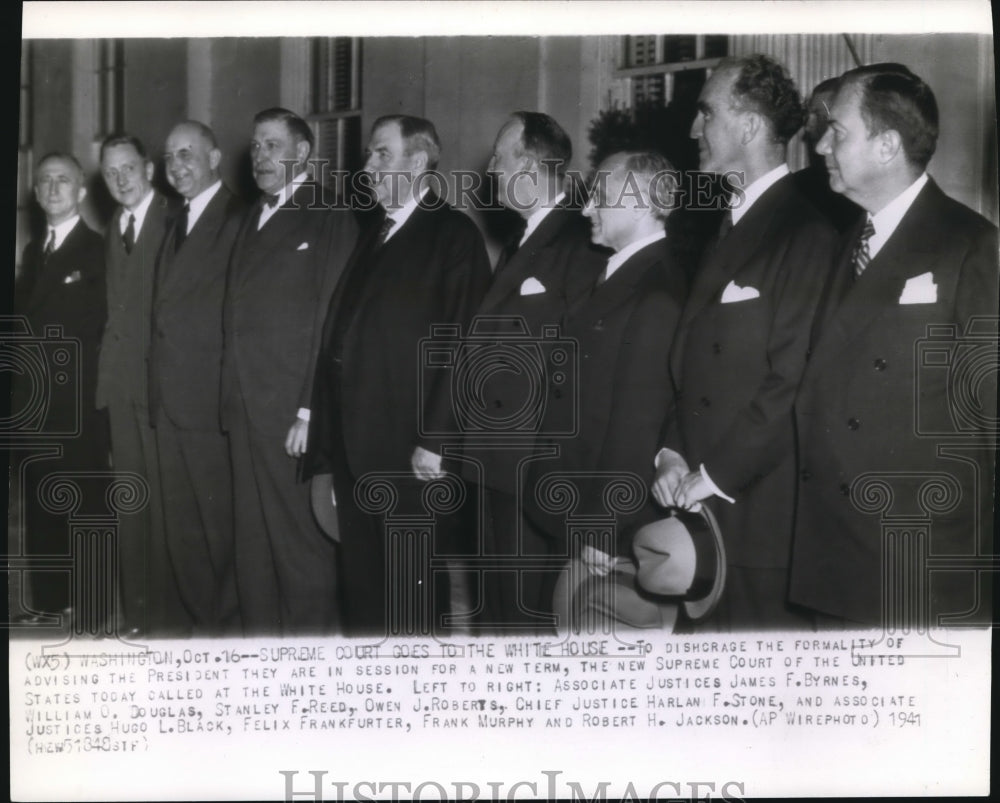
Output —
(288, 190)
(197, 204)
(139, 213)
(62, 230)
(752, 193)
(401, 215)
(619, 258)
(535, 218)
(887, 219)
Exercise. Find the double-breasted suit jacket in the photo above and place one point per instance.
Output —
(560, 264)
(281, 277)
(623, 329)
(889, 384)
(280, 281)
(737, 360)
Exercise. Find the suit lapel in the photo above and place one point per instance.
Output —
(724, 259)
(857, 303)
(359, 260)
(198, 240)
(60, 265)
(521, 264)
(618, 288)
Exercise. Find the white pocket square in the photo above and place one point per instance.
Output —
(734, 293)
(302, 247)
(919, 290)
(532, 287)
(73, 278)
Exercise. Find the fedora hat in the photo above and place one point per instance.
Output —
(682, 556)
(321, 499)
(589, 602)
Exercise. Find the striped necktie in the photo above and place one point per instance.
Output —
(50, 246)
(862, 254)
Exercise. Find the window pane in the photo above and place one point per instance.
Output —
(716, 46)
(680, 48)
(640, 51)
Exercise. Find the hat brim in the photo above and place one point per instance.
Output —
(321, 501)
(694, 541)
(585, 601)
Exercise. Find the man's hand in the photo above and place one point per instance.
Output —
(596, 561)
(671, 469)
(426, 465)
(692, 490)
(297, 438)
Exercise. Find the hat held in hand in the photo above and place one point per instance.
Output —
(682, 556)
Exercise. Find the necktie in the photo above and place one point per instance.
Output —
(181, 227)
(726, 224)
(511, 246)
(271, 200)
(50, 246)
(383, 231)
(128, 237)
(862, 254)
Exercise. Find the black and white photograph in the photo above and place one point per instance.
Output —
(521, 400)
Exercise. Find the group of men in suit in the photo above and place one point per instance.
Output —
(249, 349)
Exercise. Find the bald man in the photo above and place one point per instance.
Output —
(185, 368)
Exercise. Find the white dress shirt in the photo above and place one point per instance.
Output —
(887, 219)
(535, 218)
(286, 192)
(62, 230)
(139, 213)
(619, 258)
(752, 193)
(401, 215)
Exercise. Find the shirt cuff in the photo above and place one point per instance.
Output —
(713, 487)
(303, 414)
(666, 454)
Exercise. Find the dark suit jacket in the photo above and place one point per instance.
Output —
(186, 353)
(870, 402)
(736, 367)
(560, 256)
(433, 270)
(67, 291)
(123, 371)
(624, 330)
(280, 281)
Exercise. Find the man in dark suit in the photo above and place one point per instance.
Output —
(876, 399)
(61, 284)
(148, 589)
(184, 369)
(741, 345)
(289, 254)
(623, 329)
(813, 179)
(421, 263)
(545, 266)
